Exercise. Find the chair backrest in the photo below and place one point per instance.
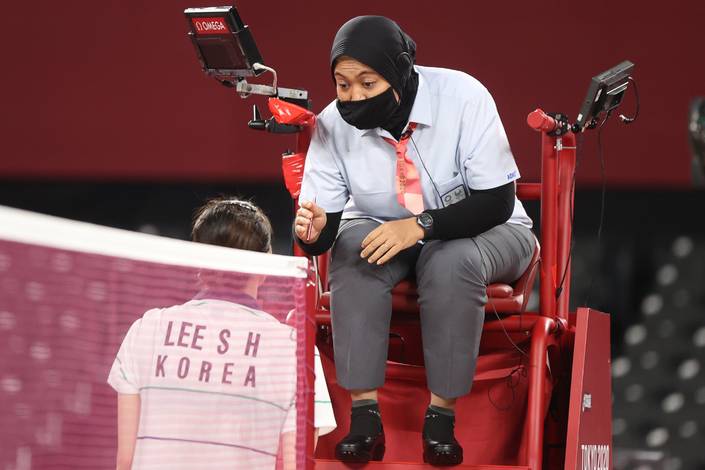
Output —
(526, 281)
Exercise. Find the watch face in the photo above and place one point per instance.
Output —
(425, 220)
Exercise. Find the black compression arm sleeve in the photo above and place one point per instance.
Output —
(325, 239)
(475, 214)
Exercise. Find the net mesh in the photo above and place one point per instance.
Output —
(216, 370)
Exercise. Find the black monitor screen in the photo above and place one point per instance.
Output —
(220, 54)
(605, 93)
(223, 43)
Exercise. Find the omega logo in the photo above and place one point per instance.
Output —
(209, 25)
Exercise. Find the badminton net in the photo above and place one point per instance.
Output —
(220, 374)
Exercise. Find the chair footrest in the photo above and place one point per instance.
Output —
(325, 464)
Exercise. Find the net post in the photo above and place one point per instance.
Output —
(310, 333)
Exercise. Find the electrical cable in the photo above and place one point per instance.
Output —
(578, 145)
(600, 226)
(629, 120)
(435, 188)
(520, 368)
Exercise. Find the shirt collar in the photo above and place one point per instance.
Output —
(227, 295)
(420, 111)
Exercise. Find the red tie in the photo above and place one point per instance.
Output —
(408, 184)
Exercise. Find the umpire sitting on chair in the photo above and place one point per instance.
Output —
(415, 162)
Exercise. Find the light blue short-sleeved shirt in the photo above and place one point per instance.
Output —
(459, 143)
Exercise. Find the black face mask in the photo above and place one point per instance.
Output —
(370, 113)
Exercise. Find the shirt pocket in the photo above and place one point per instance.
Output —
(452, 190)
(381, 204)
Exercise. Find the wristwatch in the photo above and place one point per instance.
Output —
(425, 221)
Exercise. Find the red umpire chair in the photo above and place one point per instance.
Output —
(541, 395)
(531, 362)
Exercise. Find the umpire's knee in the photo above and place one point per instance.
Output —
(453, 260)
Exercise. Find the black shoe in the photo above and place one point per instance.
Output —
(439, 445)
(361, 445)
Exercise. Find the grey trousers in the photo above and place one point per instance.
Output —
(451, 276)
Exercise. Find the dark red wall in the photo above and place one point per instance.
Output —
(112, 90)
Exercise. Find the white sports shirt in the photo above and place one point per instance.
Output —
(459, 143)
(217, 383)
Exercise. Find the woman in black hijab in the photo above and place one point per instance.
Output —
(378, 43)
(416, 163)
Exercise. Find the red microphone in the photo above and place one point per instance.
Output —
(540, 121)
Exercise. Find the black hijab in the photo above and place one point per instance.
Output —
(379, 42)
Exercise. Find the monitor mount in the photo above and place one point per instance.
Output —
(228, 53)
(604, 95)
